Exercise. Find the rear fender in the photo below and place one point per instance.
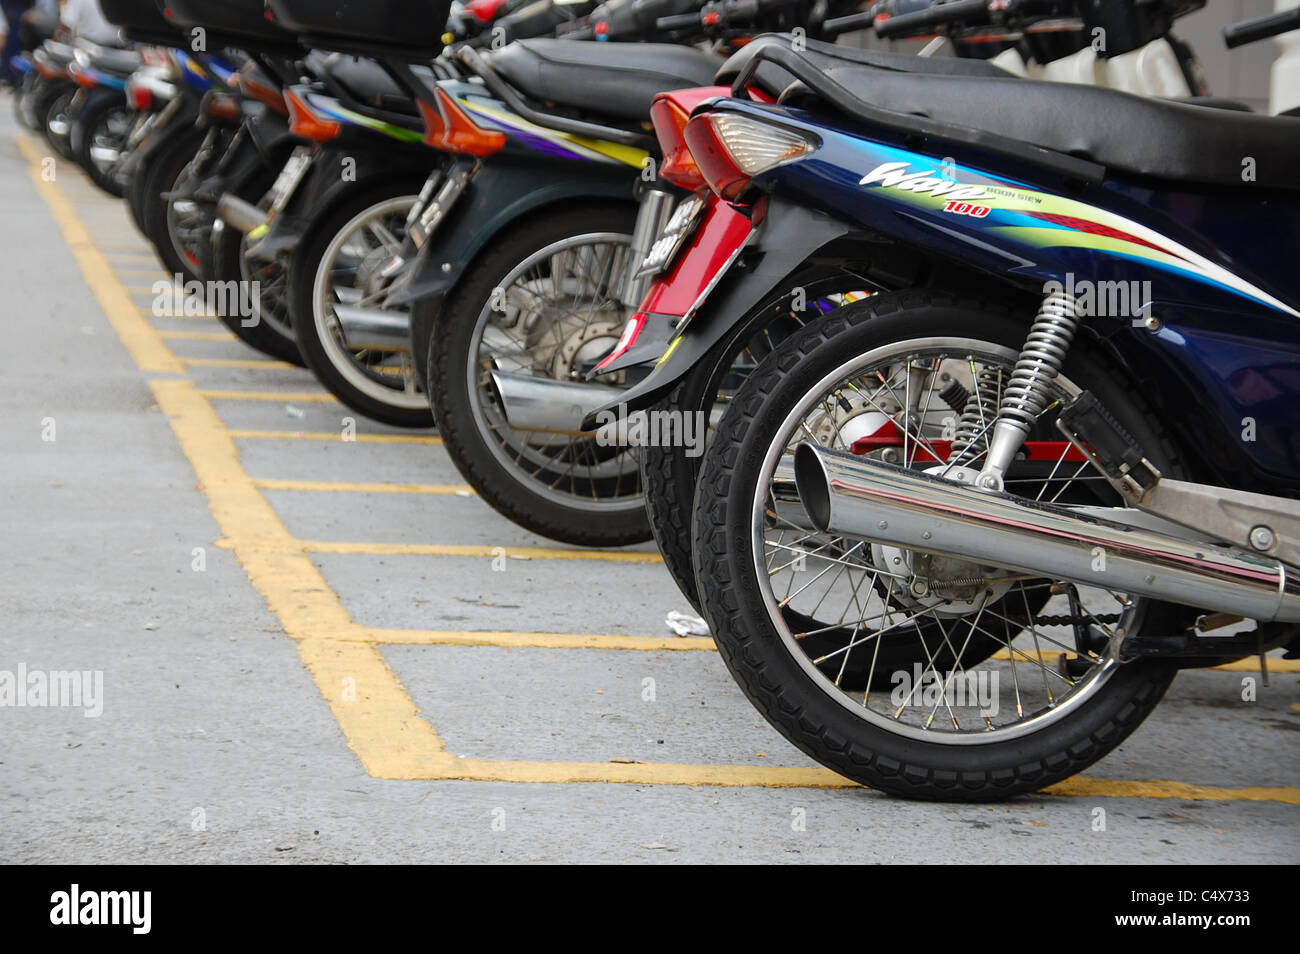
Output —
(497, 196)
(791, 234)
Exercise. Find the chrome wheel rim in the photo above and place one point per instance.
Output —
(347, 275)
(558, 312)
(1031, 690)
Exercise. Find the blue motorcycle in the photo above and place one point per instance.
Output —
(955, 540)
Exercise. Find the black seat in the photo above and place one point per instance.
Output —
(774, 80)
(114, 61)
(366, 81)
(613, 79)
(1199, 145)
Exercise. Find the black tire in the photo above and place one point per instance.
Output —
(226, 264)
(450, 386)
(158, 177)
(796, 702)
(307, 260)
(54, 101)
(670, 474)
(90, 123)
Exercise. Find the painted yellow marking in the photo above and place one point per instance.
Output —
(362, 487)
(1082, 786)
(478, 550)
(1049, 659)
(381, 723)
(254, 364)
(197, 336)
(516, 640)
(257, 435)
(139, 338)
(291, 397)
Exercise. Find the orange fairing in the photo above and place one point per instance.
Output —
(448, 128)
(305, 123)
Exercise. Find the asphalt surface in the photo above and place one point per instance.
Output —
(348, 679)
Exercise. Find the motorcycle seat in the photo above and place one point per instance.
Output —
(774, 80)
(611, 79)
(1128, 134)
(115, 62)
(367, 82)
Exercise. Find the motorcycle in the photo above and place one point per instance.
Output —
(954, 541)
(705, 371)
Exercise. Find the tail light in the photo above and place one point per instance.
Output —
(448, 128)
(140, 97)
(81, 77)
(678, 166)
(251, 85)
(220, 106)
(731, 149)
(305, 123)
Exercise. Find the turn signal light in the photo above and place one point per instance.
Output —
(731, 149)
(305, 123)
(449, 128)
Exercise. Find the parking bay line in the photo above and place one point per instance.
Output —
(197, 336)
(301, 397)
(243, 433)
(364, 487)
(252, 364)
(381, 722)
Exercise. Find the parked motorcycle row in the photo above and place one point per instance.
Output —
(960, 392)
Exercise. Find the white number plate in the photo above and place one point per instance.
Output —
(287, 181)
(665, 248)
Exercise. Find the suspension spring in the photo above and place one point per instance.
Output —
(977, 417)
(1040, 361)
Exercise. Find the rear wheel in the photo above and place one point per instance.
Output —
(1004, 683)
(99, 137)
(670, 471)
(540, 303)
(271, 331)
(338, 267)
(170, 223)
(52, 109)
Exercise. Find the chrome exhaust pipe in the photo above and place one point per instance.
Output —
(553, 407)
(239, 215)
(851, 495)
(374, 328)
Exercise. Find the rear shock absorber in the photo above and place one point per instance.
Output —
(977, 416)
(1026, 395)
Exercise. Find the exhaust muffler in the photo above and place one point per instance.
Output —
(851, 495)
(239, 215)
(552, 407)
(374, 328)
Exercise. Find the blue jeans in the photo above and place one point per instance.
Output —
(13, 10)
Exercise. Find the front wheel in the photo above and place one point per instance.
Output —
(542, 303)
(973, 682)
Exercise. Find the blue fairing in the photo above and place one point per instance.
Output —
(1214, 267)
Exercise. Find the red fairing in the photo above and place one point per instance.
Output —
(715, 240)
(484, 11)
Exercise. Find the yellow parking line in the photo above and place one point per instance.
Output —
(477, 550)
(139, 338)
(1275, 663)
(293, 397)
(514, 640)
(243, 433)
(197, 336)
(362, 487)
(253, 364)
